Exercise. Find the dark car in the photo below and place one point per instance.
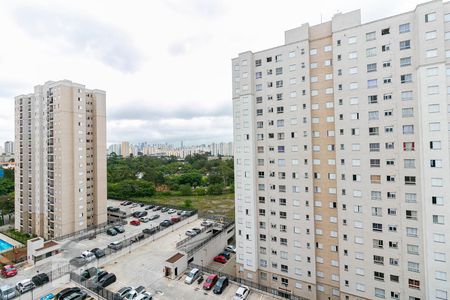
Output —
(119, 229)
(81, 295)
(78, 261)
(143, 214)
(40, 279)
(141, 204)
(179, 212)
(153, 217)
(66, 292)
(101, 274)
(157, 208)
(148, 207)
(166, 223)
(220, 285)
(88, 273)
(120, 294)
(226, 254)
(111, 231)
(197, 230)
(150, 231)
(113, 209)
(164, 209)
(107, 280)
(98, 252)
(136, 214)
(140, 289)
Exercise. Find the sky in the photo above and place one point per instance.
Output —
(164, 64)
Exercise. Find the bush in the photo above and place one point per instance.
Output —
(21, 237)
(187, 203)
(215, 189)
(185, 190)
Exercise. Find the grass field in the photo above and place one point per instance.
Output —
(214, 205)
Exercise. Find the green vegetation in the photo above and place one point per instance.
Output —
(21, 237)
(6, 195)
(196, 182)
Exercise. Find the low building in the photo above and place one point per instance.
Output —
(175, 265)
(38, 250)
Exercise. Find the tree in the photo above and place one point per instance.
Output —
(187, 203)
(215, 189)
(185, 190)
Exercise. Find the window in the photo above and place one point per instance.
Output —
(386, 47)
(405, 61)
(372, 83)
(407, 112)
(438, 219)
(405, 78)
(408, 129)
(406, 95)
(353, 55)
(403, 28)
(385, 31)
(435, 126)
(412, 249)
(405, 45)
(370, 36)
(373, 99)
(430, 17)
(431, 53)
(430, 35)
(435, 145)
(371, 67)
(371, 52)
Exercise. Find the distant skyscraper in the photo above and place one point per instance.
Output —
(60, 159)
(125, 149)
(342, 158)
(9, 147)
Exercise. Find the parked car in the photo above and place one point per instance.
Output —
(144, 296)
(192, 276)
(89, 273)
(164, 209)
(113, 209)
(148, 207)
(40, 279)
(225, 254)
(99, 253)
(100, 275)
(143, 214)
(191, 233)
(88, 256)
(140, 289)
(171, 211)
(138, 237)
(134, 205)
(135, 222)
(125, 203)
(241, 293)
(7, 292)
(197, 230)
(9, 271)
(144, 219)
(210, 281)
(136, 214)
(48, 297)
(106, 280)
(66, 292)
(111, 231)
(131, 295)
(156, 208)
(78, 261)
(230, 248)
(179, 212)
(153, 217)
(175, 219)
(81, 295)
(120, 294)
(206, 223)
(119, 229)
(220, 285)
(221, 259)
(187, 213)
(141, 204)
(25, 286)
(117, 245)
(166, 223)
(150, 231)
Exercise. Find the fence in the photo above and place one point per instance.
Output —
(90, 231)
(93, 287)
(251, 284)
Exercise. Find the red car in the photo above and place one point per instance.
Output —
(221, 259)
(175, 219)
(9, 271)
(210, 281)
(135, 222)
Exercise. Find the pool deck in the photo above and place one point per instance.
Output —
(9, 240)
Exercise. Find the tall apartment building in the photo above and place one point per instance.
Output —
(342, 158)
(60, 134)
(9, 147)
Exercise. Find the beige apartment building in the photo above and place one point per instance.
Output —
(60, 140)
(342, 173)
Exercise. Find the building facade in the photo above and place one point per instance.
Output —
(60, 156)
(9, 147)
(342, 158)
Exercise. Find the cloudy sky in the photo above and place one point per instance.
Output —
(165, 64)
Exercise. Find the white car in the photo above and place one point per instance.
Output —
(171, 211)
(230, 248)
(88, 256)
(192, 276)
(241, 293)
(144, 219)
(206, 223)
(144, 296)
(191, 233)
(25, 286)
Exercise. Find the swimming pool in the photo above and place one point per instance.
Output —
(4, 245)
